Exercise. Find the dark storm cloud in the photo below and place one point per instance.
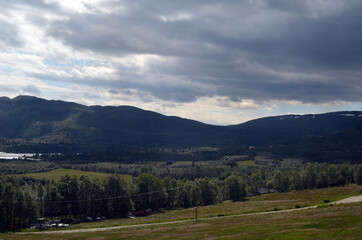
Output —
(310, 51)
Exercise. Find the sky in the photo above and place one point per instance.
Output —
(218, 62)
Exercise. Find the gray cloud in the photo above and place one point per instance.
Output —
(9, 35)
(309, 51)
(112, 91)
(91, 95)
(31, 89)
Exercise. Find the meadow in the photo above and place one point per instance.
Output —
(235, 220)
(57, 174)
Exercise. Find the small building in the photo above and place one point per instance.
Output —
(263, 190)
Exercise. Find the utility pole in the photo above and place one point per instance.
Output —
(196, 213)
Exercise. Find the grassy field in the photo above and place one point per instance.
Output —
(327, 222)
(267, 202)
(246, 163)
(56, 174)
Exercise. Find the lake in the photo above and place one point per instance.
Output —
(4, 155)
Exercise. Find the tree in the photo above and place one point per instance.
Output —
(196, 197)
(254, 183)
(68, 188)
(118, 192)
(358, 175)
(86, 196)
(209, 191)
(2, 207)
(183, 194)
(279, 181)
(309, 176)
(295, 180)
(32, 205)
(233, 188)
(171, 191)
(40, 191)
(206, 192)
(52, 202)
(150, 192)
(8, 203)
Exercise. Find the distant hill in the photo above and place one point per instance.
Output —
(289, 129)
(37, 125)
(321, 137)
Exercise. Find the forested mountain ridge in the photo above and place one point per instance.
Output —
(38, 125)
(296, 127)
(33, 120)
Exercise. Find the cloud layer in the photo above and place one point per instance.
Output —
(176, 54)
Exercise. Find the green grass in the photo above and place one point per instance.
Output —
(56, 174)
(246, 163)
(311, 197)
(337, 222)
(329, 222)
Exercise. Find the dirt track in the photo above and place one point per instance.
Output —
(350, 200)
(343, 201)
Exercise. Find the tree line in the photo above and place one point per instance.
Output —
(22, 202)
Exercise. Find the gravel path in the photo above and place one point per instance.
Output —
(350, 200)
(346, 200)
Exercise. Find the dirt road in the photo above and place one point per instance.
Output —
(350, 200)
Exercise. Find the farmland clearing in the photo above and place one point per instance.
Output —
(57, 174)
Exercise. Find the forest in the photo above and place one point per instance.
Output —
(174, 185)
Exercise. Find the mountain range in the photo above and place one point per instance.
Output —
(33, 124)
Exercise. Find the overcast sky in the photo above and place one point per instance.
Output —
(219, 62)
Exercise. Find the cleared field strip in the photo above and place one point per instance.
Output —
(55, 175)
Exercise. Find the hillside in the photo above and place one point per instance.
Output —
(33, 120)
(294, 129)
(37, 125)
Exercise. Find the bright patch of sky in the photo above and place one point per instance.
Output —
(68, 63)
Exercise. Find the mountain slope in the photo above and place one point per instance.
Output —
(33, 120)
(289, 129)
(39, 125)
